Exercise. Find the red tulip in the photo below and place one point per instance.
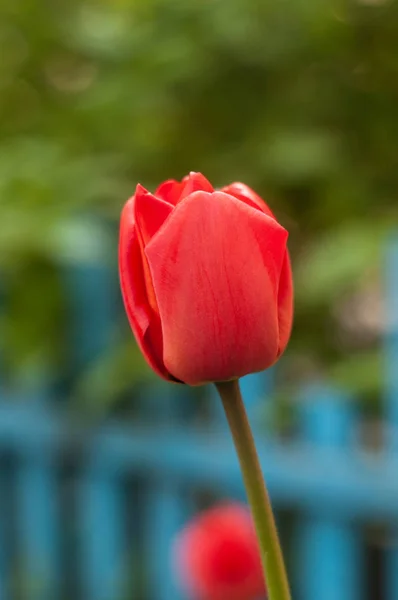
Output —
(206, 280)
(217, 556)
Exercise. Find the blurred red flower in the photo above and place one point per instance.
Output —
(206, 280)
(217, 556)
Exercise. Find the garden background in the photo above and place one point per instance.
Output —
(297, 99)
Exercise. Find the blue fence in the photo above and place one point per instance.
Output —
(90, 512)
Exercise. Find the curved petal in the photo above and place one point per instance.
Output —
(144, 323)
(285, 303)
(214, 265)
(170, 191)
(150, 212)
(195, 182)
(245, 194)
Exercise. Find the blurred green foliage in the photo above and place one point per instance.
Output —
(297, 99)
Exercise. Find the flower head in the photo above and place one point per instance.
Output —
(206, 280)
(217, 556)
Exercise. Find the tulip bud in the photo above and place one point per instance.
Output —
(206, 280)
(217, 556)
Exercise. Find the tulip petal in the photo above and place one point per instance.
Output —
(195, 182)
(170, 191)
(285, 291)
(285, 303)
(245, 194)
(215, 268)
(150, 212)
(144, 323)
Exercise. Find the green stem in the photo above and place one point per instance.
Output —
(271, 554)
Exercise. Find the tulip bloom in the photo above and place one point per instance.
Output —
(217, 556)
(206, 280)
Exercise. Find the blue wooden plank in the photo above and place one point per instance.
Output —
(38, 534)
(102, 545)
(330, 562)
(37, 518)
(391, 399)
(391, 344)
(391, 574)
(295, 473)
(93, 294)
(355, 486)
(167, 510)
(94, 301)
(4, 556)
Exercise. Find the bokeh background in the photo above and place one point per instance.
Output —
(297, 99)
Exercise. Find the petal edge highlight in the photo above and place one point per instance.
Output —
(134, 293)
